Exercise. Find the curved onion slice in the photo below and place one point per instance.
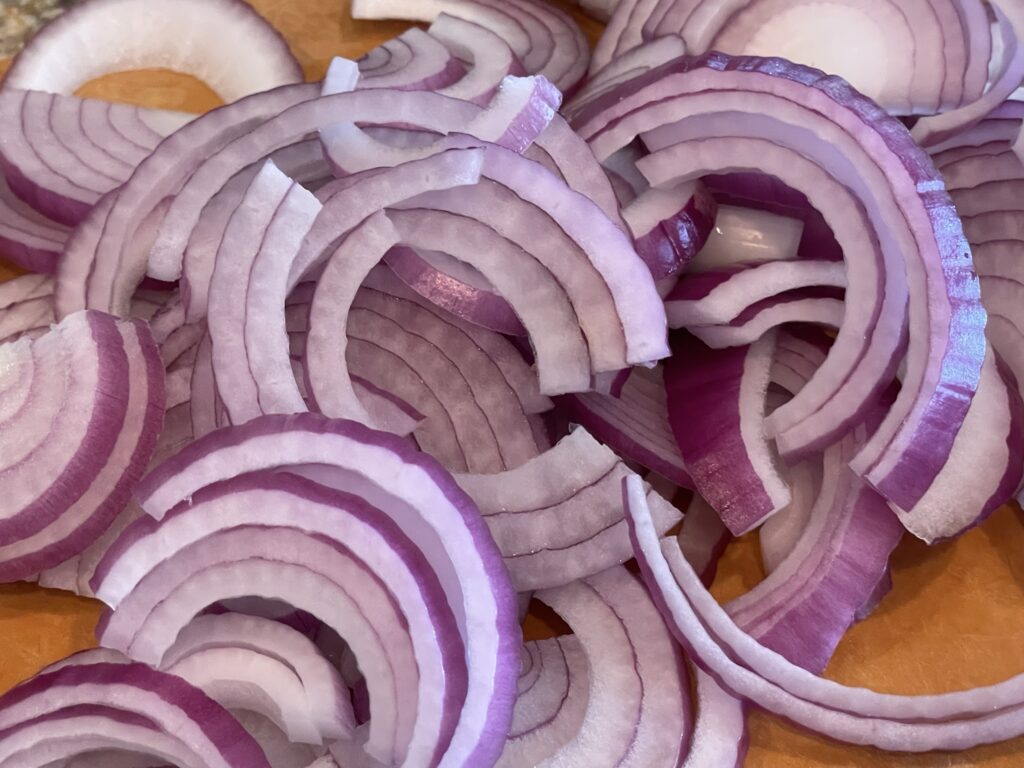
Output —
(414, 489)
(91, 273)
(420, 63)
(670, 226)
(557, 517)
(520, 111)
(638, 709)
(27, 238)
(487, 54)
(932, 255)
(703, 538)
(551, 700)
(714, 297)
(546, 39)
(634, 424)
(224, 43)
(817, 306)
(99, 384)
(326, 697)
(52, 163)
(744, 236)
(716, 406)
(636, 61)
(375, 593)
(748, 670)
(781, 532)
(802, 609)
(719, 729)
(121, 706)
(454, 286)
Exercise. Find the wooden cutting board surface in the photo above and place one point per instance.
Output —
(955, 617)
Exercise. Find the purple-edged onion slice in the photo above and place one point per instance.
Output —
(224, 43)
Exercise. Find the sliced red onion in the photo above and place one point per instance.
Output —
(638, 711)
(26, 307)
(750, 671)
(781, 532)
(504, 22)
(746, 236)
(671, 226)
(716, 406)
(817, 306)
(546, 39)
(487, 54)
(126, 707)
(1006, 78)
(239, 678)
(325, 695)
(598, 9)
(520, 111)
(710, 298)
(556, 518)
(470, 295)
(267, 225)
(91, 271)
(703, 538)
(375, 593)
(622, 33)
(636, 61)
(224, 43)
(984, 466)
(391, 413)
(900, 467)
(806, 604)
(634, 423)
(414, 489)
(720, 729)
(27, 238)
(551, 700)
(58, 168)
(63, 493)
(424, 64)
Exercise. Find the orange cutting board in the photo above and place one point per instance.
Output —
(955, 617)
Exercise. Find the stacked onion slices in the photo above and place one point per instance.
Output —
(318, 393)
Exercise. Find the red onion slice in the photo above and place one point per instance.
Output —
(92, 263)
(267, 225)
(150, 709)
(63, 493)
(703, 538)
(899, 467)
(470, 296)
(636, 61)
(824, 307)
(424, 64)
(53, 164)
(634, 424)
(551, 701)
(638, 711)
(720, 729)
(716, 297)
(716, 406)
(224, 43)
(487, 54)
(389, 576)
(556, 517)
(671, 226)
(853, 715)
(30, 240)
(520, 111)
(430, 506)
(805, 605)
(239, 678)
(546, 40)
(747, 236)
(323, 690)
(781, 532)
